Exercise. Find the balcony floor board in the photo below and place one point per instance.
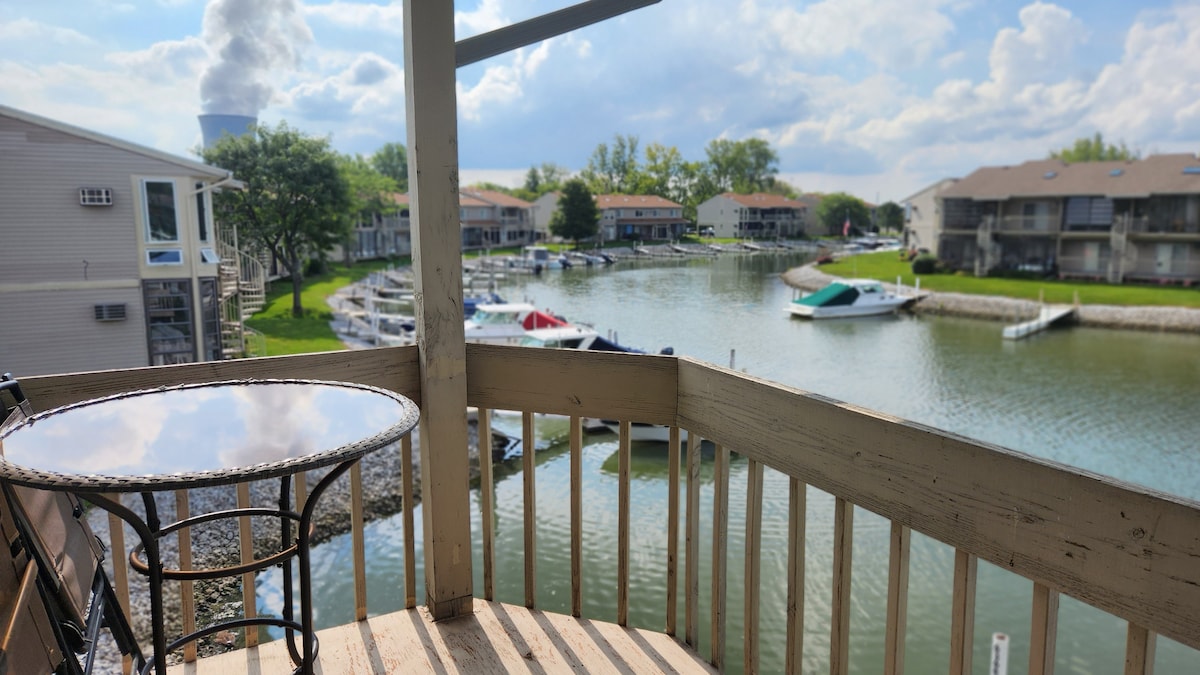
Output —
(497, 638)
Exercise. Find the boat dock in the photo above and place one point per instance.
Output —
(1047, 316)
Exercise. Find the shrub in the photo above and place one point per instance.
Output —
(925, 264)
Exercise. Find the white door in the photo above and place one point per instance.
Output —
(1162, 260)
(1091, 256)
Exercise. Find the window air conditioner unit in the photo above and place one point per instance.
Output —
(93, 196)
(112, 312)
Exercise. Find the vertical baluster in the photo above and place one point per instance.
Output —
(187, 596)
(962, 624)
(843, 548)
(358, 547)
(672, 529)
(120, 580)
(528, 452)
(576, 517)
(720, 535)
(1140, 644)
(692, 560)
(754, 490)
(1043, 630)
(623, 451)
(246, 534)
(301, 490)
(410, 537)
(795, 602)
(897, 605)
(487, 489)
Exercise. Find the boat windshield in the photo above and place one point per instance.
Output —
(485, 317)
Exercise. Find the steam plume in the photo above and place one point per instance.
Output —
(252, 38)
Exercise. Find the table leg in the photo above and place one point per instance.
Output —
(285, 505)
(302, 553)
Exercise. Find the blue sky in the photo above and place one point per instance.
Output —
(875, 97)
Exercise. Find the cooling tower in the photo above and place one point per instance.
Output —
(212, 127)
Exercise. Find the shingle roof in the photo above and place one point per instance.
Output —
(497, 198)
(1157, 174)
(635, 201)
(763, 200)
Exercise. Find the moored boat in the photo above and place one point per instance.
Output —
(847, 298)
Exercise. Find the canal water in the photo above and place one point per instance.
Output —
(1118, 403)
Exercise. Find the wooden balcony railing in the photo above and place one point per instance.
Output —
(1123, 549)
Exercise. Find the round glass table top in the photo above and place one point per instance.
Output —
(201, 434)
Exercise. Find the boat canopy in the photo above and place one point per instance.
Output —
(835, 294)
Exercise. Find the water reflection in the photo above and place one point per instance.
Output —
(199, 428)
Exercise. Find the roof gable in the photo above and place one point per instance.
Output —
(1157, 174)
(195, 167)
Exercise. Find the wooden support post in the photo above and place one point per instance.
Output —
(410, 536)
(843, 548)
(623, 459)
(797, 497)
(897, 604)
(691, 562)
(529, 482)
(187, 596)
(719, 554)
(1139, 651)
(487, 497)
(1043, 630)
(358, 546)
(672, 530)
(432, 119)
(576, 517)
(246, 545)
(962, 620)
(754, 494)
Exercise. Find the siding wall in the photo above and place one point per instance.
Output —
(721, 214)
(47, 290)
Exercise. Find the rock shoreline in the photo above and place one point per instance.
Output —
(1012, 310)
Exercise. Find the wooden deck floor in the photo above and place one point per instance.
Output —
(497, 638)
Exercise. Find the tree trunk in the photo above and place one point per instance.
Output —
(297, 280)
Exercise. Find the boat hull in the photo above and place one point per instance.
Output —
(844, 311)
(641, 432)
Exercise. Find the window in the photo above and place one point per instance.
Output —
(161, 221)
(169, 329)
(207, 255)
(202, 211)
(210, 315)
(165, 256)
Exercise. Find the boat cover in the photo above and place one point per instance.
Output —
(831, 296)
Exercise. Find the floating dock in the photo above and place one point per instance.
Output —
(1047, 316)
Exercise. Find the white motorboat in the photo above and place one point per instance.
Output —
(846, 298)
(507, 323)
(641, 431)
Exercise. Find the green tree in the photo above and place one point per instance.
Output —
(835, 209)
(372, 194)
(1094, 150)
(392, 161)
(613, 170)
(743, 167)
(577, 216)
(890, 216)
(296, 201)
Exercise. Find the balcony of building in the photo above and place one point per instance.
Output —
(1125, 550)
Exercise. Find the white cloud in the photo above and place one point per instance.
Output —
(1040, 51)
(893, 34)
(486, 17)
(1154, 91)
(388, 18)
(501, 85)
(21, 30)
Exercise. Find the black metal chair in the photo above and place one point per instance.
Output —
(49, 530)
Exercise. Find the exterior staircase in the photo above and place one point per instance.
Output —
(243, 292)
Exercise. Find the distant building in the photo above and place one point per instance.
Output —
(110, 255)
(494, 219)
(543, 209)
(1113, 221)
(921, 213)
(640, 217)
(759, 215)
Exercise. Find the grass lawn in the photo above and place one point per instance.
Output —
(886, 266)
(286, 334)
